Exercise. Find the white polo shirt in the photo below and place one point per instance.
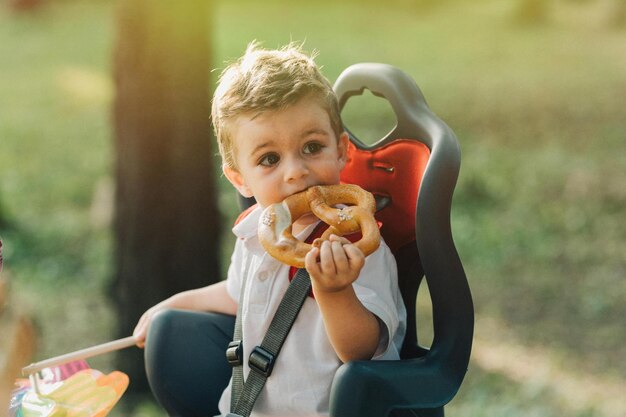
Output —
(303, 373)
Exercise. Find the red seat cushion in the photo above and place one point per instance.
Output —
(394, 170)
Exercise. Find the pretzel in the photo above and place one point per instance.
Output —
(276, 220)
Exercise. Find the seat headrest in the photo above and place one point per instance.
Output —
(393, 171)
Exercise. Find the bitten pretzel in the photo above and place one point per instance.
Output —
(276, 220)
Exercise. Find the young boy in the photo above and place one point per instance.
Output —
(279, 131)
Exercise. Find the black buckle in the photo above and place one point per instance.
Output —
(261, 361)
(234, 353)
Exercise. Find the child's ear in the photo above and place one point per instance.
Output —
(342, 148)
(236, 179)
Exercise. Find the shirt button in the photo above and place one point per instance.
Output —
(263, 275)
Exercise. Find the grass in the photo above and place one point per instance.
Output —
(538, 213)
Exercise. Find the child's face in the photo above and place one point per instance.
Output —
(282, 152)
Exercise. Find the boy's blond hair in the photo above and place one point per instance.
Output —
(265, 80)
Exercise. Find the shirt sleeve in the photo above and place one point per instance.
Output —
(377, 288)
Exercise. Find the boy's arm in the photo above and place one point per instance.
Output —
(214, 298)
(353, 330)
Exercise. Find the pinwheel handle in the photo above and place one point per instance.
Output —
(80, 354)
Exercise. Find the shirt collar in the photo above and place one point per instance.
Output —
(248, 226)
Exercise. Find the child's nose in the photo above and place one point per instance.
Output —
(295, 169)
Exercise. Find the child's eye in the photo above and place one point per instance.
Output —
(269, 160)
(312, 147)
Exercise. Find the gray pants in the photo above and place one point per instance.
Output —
(186, 363)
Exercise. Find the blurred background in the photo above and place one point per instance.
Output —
(103, 103)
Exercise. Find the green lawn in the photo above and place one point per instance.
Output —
(539, 216)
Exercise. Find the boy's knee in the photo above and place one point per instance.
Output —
(162, 319)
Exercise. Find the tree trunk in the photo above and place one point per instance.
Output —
(166, 218)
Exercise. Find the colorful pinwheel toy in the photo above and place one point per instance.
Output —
(65, 386)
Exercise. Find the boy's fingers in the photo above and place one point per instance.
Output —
(141, 330)
(355, 256)
(327, 262)
(339, 256)
(141, 343)
(140, 337)
(340, 239)
(310, 261)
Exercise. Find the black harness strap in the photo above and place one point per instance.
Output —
(263, 357)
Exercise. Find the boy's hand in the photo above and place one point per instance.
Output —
(141, 330)
(339, 265)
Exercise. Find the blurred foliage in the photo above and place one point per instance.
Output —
(539, 215)
(3, 218)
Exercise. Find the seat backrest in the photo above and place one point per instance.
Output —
(393, 173)
(413, 171)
